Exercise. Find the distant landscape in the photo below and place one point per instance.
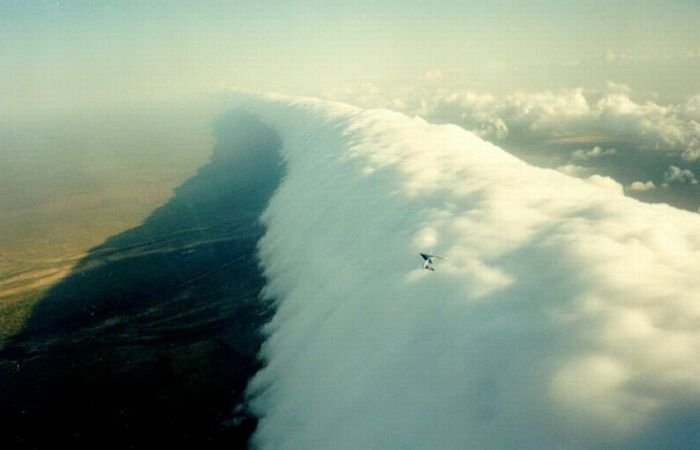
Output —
(131, 315)
(69, 180)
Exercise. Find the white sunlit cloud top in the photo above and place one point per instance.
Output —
(609, 116)
(565, 315)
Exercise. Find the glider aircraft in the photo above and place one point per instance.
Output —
(429, 261)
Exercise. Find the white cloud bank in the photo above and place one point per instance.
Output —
(566, 315)
(586, 116)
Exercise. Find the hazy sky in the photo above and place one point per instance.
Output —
(63, 53)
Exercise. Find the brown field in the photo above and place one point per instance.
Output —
(70, 181)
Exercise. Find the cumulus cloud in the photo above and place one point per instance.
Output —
(566, 115)
(642, 186)
(565, 314)
(595, 152)
(676, 175)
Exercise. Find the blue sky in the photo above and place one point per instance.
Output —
(65, 53)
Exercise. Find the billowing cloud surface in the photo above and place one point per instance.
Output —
(566, 315)
(611, 116)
